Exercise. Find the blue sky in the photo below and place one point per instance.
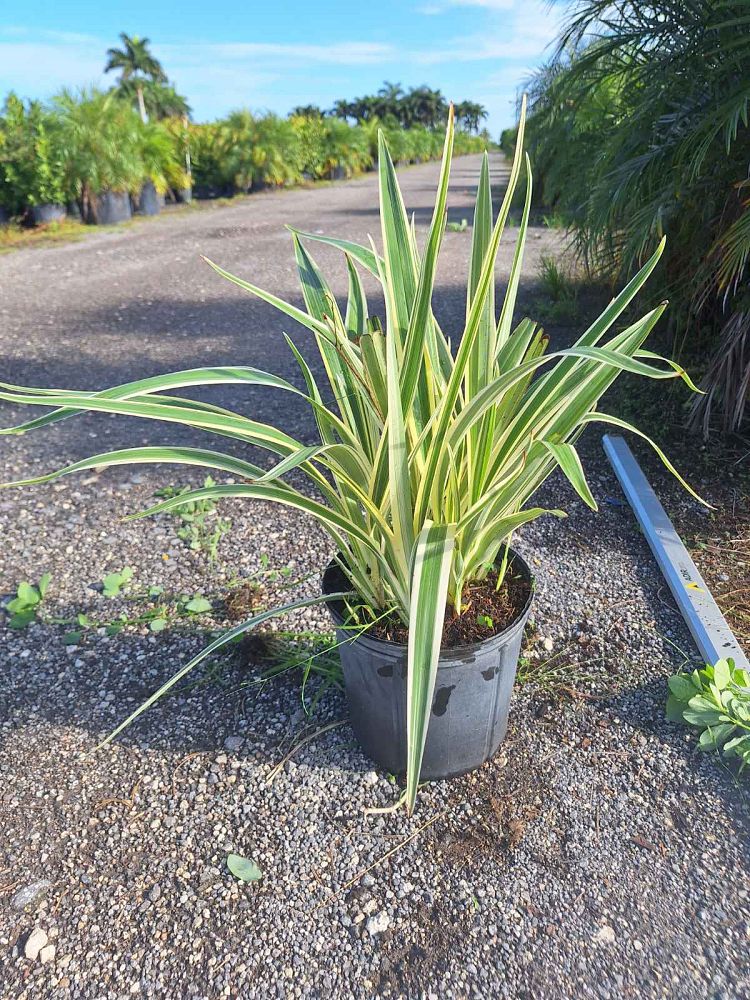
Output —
(224, 54)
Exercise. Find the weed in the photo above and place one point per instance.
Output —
(560, 291)
(23, 608)
(313, 654)
(202, 528)
(114, 582)
(458, 227)
(273, 575)
(552, 675)
(555, 220)
(555, 279)
(715, 700)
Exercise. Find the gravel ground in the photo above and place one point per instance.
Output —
(597, 856)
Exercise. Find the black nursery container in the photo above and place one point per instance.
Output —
(48, 212)
(470, 707)
(111, 207)
(149, 202)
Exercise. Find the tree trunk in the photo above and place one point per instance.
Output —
(141, 104)
(188, 164)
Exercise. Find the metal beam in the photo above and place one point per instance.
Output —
(708, 626)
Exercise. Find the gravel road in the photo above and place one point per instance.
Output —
(597, 856)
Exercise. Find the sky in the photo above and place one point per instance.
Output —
(225, 54)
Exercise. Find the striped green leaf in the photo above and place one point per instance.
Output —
(429, 593)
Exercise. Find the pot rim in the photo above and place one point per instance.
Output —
(452, 652)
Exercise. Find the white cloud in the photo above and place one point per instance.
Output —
(214, 75)
(340, 54)
(41, 62)
(516, 30)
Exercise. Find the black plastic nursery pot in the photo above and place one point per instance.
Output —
(208, 191)
(110, 208)
(473, 689)
(149, 201)
(48, 212)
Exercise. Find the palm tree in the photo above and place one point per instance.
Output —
(424, 106)
(470, 114)
(638, 129)
(136, 65)
(306, 111)
(163, 101)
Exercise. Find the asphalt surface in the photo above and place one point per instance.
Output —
(597, 856)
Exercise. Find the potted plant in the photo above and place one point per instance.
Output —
(162, 167)
(100, 138)
(30, 162)
(424, 469)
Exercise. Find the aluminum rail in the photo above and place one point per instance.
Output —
(707, 624)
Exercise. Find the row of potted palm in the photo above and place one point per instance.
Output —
(94, 154)
(89, 153)
(246, 152)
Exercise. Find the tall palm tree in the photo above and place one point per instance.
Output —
(470, 114)
(136, 65)
(424, 106)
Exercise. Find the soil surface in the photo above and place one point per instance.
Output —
(486, 611)
(598, 855)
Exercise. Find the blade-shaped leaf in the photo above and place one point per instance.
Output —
(368, 258)
(606, 418)
(429, 593)
(149, 455)
(399, 267)
(569, 461)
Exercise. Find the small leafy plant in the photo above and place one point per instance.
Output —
(560, 301)
(245, 869)
(202, 529)
(157, 618)
(113, 583)
(24, 606)
(715, 700)
(458, 227)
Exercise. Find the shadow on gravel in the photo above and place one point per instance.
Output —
(92, 688)
(643, 708)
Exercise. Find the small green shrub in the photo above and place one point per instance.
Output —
(560, 293)
(428, 462)
(715, 700)
(31, 158)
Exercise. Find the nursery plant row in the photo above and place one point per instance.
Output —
(91, 155)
